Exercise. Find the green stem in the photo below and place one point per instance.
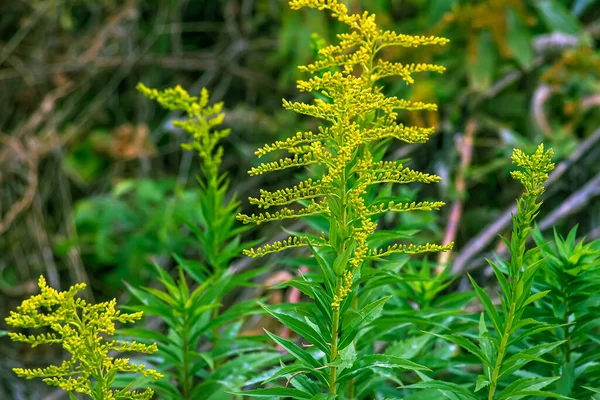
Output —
(567, 335)
(186, 375)
(502, 350)
(186, 386)
(334, 344)
(351, 381)
(217, 208)
(215, 314)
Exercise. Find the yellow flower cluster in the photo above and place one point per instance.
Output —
(81, 329)
(379, 254)
(403, 207)
(289, 243)
(313, 208)
(357, 114)
(201, 123)
(536, 168)
(305, 190)
(533, 176)
(343, 290)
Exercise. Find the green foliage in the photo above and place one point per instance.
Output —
(121, 234)
(80, 328)
(508, 349)
(571, 276)
(192, 315)
(188, 315)
(345, 81)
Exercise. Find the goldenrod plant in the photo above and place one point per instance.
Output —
(507, 349)
(192, 315)
(571, 275)
(83, 330)
(357, 116)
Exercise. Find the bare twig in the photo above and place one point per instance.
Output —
(45, 108)
(466, 155)
(573, 203)
(540, 98)
(23, 32)
(25, 201)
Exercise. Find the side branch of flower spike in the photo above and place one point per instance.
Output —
(297, 161)
(305, 190)
(393, 172)
(379, 254)
(407, 134)
(405, 207)
(384, 69)
(299, 143)
(312, 209)
(289, 243)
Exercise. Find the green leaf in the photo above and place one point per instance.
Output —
(300, 354)
(284, 371)
(164, 387)
(300, 327)
(525, 384)
(488, 306)
(325, 267)
(305, 384)
(346, 358)
(341, 261)
(522, 358)
(410, 347)
(519, 39)
(482, 382)
(567, 380)
(364, 317)
(530, 332)
(275, 392)
(557, 17)
(536, 297)
(381, 361)
(237, 311)
(527, 393)
(465, 344)
(324, 396)
(196, 270)
(501, 278)
(465, 393)
(161, 295)
(207, 358)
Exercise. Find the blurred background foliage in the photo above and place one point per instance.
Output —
(95, 187)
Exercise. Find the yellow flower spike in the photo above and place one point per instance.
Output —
(201, 123)
(343, 291)
(81, 328)
(536, 168)
(357, 115)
